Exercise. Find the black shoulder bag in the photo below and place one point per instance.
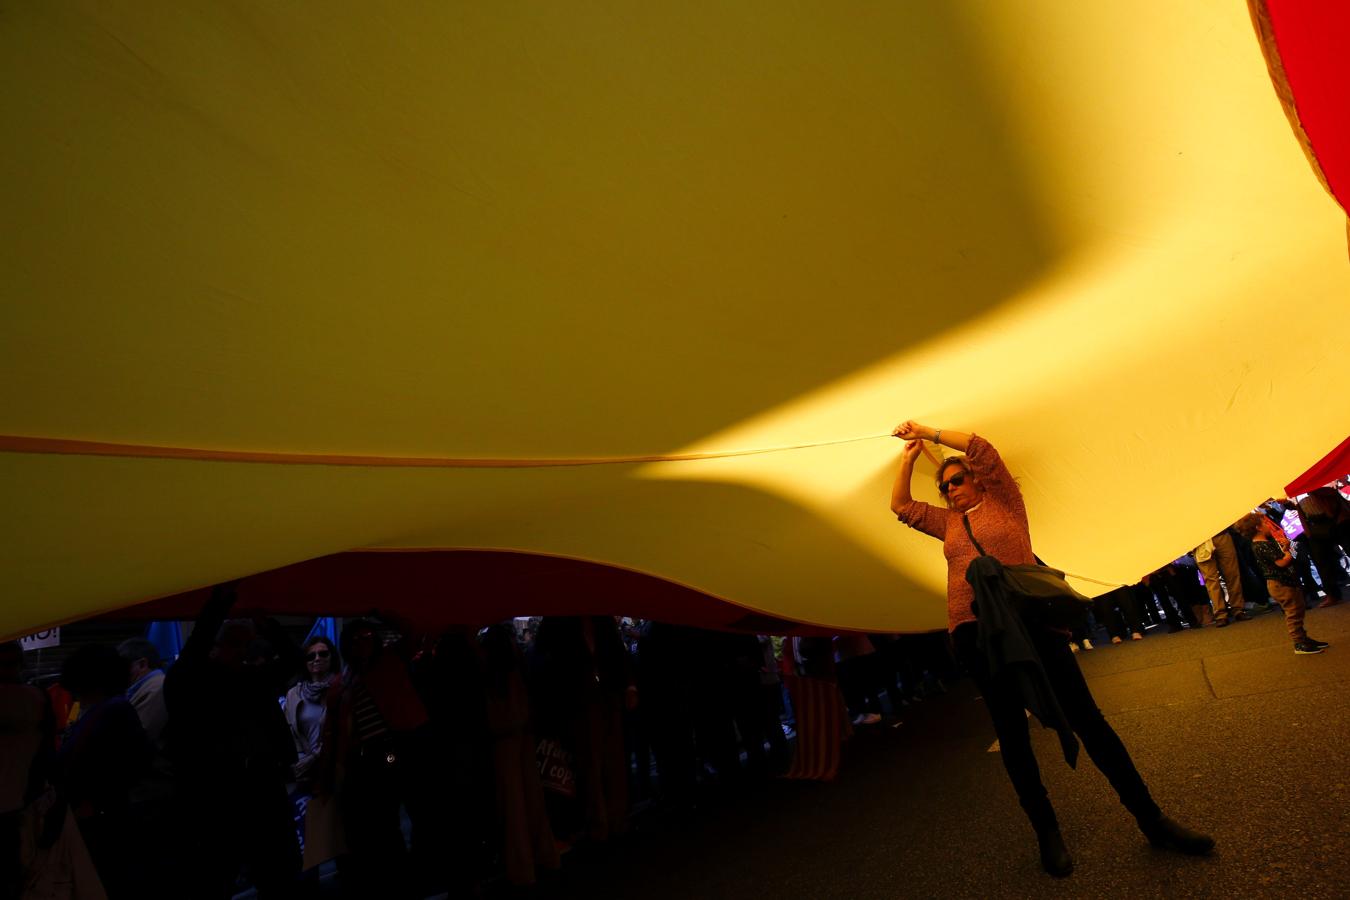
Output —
(1039, 594)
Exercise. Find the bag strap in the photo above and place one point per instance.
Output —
(965, 520)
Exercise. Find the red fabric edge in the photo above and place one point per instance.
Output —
(1326, 470)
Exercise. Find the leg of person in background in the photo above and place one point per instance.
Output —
(1210, 570)
(1077, 635)
(1303, 562)
(377, 864)
(909, 653)
(937, 660)
(1129, 609)
(1192, 593)
(1327, 558)
(273, 849)
(1146, 611)
(1340, 536)
(888, 670)
(1171, 590)
(715, 732)
(851, 684)
(1175, 613)
(673, 745)
(1105, 613)
(771, 705)
(884, 681)
(750, 722)
(614, 768)
(1148, 598)
(639, 744)
(1226, 553)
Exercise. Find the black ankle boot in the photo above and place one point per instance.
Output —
(1055, 857)
(1168, 835)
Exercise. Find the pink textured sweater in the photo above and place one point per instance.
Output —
(999, 523)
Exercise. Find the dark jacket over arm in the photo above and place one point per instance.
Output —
(1010, 653)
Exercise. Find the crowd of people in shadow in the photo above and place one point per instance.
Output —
(1253, 564)
(392, 763)
(396, 764)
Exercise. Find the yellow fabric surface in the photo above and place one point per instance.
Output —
(533, 231)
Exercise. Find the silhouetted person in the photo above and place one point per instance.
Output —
(526, 839)
(232, 754)
(102, 757)
(667, 695)
(369, 761)
(582, 681)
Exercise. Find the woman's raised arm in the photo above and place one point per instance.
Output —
(900, 494)
(957, 440)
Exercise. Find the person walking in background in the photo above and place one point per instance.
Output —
(1277, 566)
(1219, 555)
(984, 500)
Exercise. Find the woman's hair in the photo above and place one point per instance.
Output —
(334, 658)
(1249, 525)
(952, 462)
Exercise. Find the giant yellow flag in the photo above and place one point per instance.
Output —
(286, 280)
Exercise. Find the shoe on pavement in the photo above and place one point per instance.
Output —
(1315, 641)
(1136, 636)
(1115, 639)
(1221, 623)
(1073, 645)
(868, 719)
(1055, 858)
(1329, 601)
(1169, 835)
(1087, 644)
(1306, 648)
(1240, 616)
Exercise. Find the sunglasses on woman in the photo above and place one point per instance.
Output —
(954, 481)
(317, 654)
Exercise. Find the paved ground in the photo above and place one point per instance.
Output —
(1233, 732)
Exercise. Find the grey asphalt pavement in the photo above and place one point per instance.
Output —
(1234, 734)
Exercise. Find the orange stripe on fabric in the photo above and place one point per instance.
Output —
(10, 443)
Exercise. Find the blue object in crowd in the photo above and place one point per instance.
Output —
(325, 626)
(167, 638)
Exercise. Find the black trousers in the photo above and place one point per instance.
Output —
(1100, 741)
(1326, 556)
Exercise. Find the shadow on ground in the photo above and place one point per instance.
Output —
(1233, 732)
